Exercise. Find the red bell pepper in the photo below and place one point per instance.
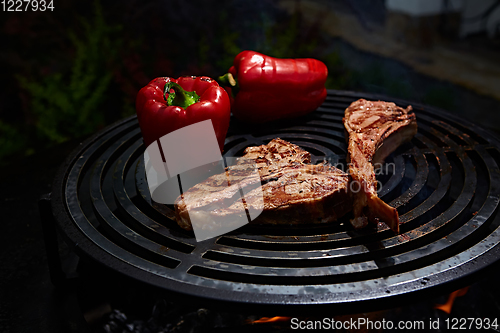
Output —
(166, 104)
(263, 88)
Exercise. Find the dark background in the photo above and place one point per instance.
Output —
(69, 72)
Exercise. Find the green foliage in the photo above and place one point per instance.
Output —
(11, 141)
(442, 97)
(215, 53)
(339, 77)
(229, 47)
(203, 50)
(67, 104)
(290, 40)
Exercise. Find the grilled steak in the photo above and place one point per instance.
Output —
(274, 156)
(286, 190)
(375, 130)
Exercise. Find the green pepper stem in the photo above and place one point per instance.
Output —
(228, 80)
(179, 97)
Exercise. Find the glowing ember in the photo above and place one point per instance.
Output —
(271, 319)
(446, 307)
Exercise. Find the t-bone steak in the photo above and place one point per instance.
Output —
(286, 189)
(375, 129)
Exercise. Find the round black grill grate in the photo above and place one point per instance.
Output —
(445, 185)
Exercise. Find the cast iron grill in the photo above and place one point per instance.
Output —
(445, 185)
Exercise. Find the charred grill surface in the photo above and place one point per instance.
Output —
(375, 129)
(445, 185)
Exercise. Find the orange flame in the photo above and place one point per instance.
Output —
(446, 307)
(270, 319)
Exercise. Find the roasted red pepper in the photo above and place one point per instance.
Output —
(264, 88)
(166, 104)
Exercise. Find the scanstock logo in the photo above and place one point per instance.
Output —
(186, 157)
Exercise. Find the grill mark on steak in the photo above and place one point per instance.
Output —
(375, 129)
(287, 189)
